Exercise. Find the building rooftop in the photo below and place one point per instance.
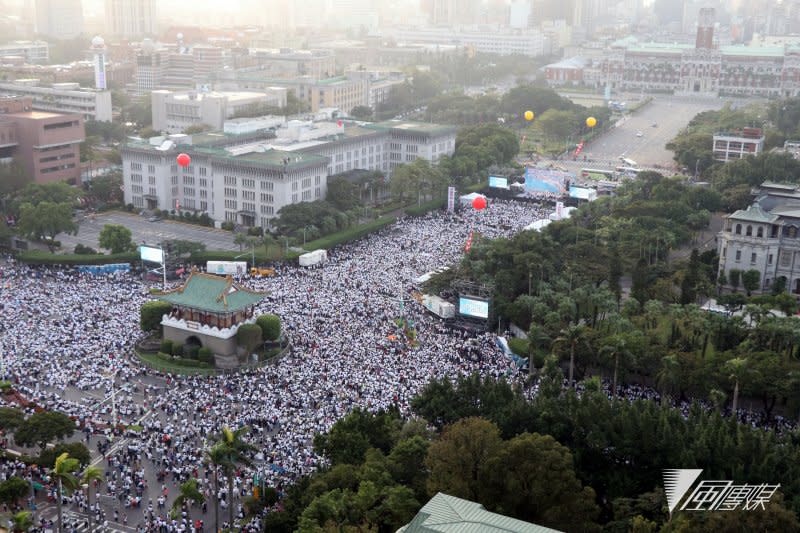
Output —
(754, 213)
(420, 128)
(216, 294)
(448, 514)
(271, 158)
(37, 115)
(575, 62)
(230, 95)
(753, 51)
(781, 186)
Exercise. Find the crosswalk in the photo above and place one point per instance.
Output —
(75, 522)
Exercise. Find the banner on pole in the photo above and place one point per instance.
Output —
(451, 199)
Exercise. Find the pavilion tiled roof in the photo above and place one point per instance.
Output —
(215, 294)
(448, 514)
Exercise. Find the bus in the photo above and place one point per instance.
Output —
(597, 174)
(628, 172)
(628, 162)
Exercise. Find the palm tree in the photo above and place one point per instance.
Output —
(235, 452)
(90, 475)
(22, 521)
(616, 348)
(571, 336)
(188, 493)
(737, 368)
(62, 473)
(215, 457)
(669, 375)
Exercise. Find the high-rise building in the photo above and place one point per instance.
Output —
(705, 28)
(131, 18)
(59, 19)
(99, 61)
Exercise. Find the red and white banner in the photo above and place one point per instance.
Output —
(579, 148)
(468, 247)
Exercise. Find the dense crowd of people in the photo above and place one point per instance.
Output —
(65, 336)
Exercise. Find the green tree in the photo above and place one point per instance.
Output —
(616, 347)
(188, 495)
(63, 475)
(92, 476)
(248, 336)
(270, 327)
(343, 194)
(214, 458)
(406, 463)
(235, 452)
(533, 478)
(572, 337)
(361, 112)
(76, 450)
(458, 461)
(734, 276)
(22, 521)
(557, 124)
(10, 418)
(350, 437)
(115, 237)
(751, 280)
(55, 192)
(13, 178)
(737, 370)
(46, 220)
(151, 313)
(12, 489)
(197, 128)
(106, 188)
(44, 427)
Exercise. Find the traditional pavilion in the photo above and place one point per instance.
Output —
(207, 310)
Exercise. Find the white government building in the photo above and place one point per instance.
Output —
(765, 237)
(246, 179)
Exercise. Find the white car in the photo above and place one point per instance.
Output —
(639, 134)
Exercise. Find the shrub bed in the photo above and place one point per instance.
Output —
(38, 257)
(348, 235)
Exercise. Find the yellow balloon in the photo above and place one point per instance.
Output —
(591, 122)
(529, 115)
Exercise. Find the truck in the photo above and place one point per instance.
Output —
(313, 258)
(224, 268)
(438, 306)
(262, 271)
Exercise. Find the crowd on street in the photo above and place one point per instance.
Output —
(65, 337)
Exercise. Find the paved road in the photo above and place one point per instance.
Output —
(670, 113)
(144, 231)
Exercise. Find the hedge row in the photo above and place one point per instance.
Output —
(38, 257)
(348, 235)
(420, 210)
(189, 363)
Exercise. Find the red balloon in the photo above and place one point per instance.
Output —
(479, 203)
(339, 123)
(184, 160)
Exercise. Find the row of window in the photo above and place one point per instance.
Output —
(788, 231)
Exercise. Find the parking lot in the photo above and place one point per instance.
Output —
(146, 232)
